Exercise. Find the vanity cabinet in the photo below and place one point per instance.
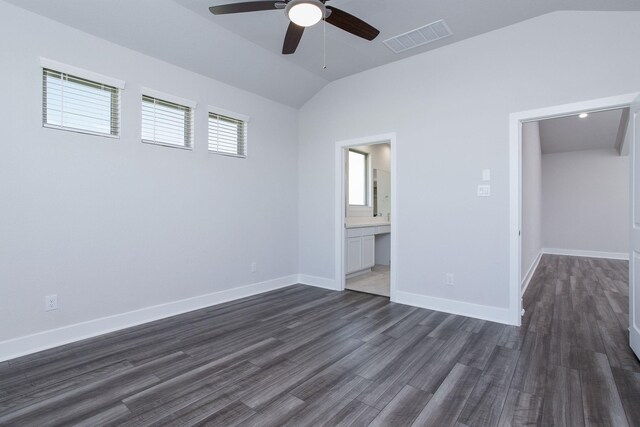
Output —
(361, 253)
(361, 247)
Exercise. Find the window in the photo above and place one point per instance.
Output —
(358, 178)
(75, 103)
(166, 123)
(227, 135)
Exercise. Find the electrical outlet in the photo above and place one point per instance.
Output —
(449, 279)
(254, 267)
(51, 302)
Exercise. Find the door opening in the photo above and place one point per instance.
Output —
(365, 215)
(519, 128)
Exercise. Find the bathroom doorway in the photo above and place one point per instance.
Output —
(365, 225)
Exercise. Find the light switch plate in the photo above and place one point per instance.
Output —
(484, 190)
(486, 174)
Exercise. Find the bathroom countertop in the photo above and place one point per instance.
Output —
(368, 224)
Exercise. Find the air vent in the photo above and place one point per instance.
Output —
(420, 36)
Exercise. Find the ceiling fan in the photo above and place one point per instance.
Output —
(302, 13)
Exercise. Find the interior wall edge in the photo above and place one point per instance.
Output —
(483, 312)
(588, 254)
(530, 271)
(33, 343)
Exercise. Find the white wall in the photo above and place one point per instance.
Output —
(531, 238)
(114, 225)
(450, 109)
(381, 157)
(585, 199)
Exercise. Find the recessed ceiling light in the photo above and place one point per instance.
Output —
(583, 115)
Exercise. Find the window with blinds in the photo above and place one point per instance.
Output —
(227, 136)
(166, 123)
(78, 104)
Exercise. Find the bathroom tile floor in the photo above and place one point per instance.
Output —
(376, 282)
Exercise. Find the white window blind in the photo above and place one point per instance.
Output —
(166, 123)
(227, 135)
(74, 103)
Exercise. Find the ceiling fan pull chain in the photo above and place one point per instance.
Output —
(324, 42)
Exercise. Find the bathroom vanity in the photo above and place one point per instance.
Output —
(360, 245)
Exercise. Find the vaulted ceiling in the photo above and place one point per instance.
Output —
(244, 49)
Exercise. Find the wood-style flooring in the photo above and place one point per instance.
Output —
(303, 356)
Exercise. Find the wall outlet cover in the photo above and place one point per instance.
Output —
(51, 302)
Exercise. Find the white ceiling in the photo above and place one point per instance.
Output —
(599, 130)
(244, 49)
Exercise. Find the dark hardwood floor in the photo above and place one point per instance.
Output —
(306, 356)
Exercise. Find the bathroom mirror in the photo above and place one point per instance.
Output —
(382, 194)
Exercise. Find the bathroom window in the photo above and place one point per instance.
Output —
(358, 178)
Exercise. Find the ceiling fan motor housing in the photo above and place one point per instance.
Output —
(305, 12)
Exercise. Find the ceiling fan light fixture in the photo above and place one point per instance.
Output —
(305, 13)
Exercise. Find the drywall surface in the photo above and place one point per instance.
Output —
(585, 201)
(115, 225)
(450, 110)
(531, 236)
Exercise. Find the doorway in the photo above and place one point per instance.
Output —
(575, 188)
(365, 217)
(517, 123)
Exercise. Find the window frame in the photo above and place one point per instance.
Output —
(169, 99)
(233, 116)
(47, 65)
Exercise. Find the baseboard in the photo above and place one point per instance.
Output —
(318, 282)
(527, 279)
(28, 344)
(358, 273)
(484, 312)
(588, 254)
(634, 340)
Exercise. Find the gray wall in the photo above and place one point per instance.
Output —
(450, 109)
(115, 225)
(585, 201)
(531, 240)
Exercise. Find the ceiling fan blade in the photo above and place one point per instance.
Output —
(292, 38)
(351, 24)
(249, 6)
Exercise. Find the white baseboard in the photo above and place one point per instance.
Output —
(527, 279)
(634, 340)
(318, 282)
(28, 344)
(484, 312)
(588, 254)
(358, 273)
